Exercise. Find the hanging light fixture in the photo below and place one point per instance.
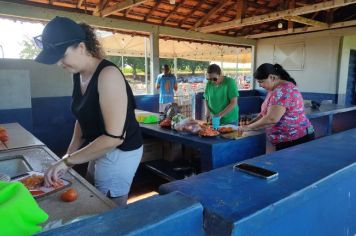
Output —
(172, 2)
(280, 25)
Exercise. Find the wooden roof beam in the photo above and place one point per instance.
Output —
(305, 21)
(101, 5)
(119, 7)
(21, 11)
(276, 15)
(79, 4)
(241, 8)
(223, 13)
(291, 5)
(212, 12)
(172, 12)
(154, 8)
(303, 30)
(191, 13)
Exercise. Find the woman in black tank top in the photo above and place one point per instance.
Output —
(106, 131)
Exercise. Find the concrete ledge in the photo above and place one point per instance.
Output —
(172, 214)
(313, 194)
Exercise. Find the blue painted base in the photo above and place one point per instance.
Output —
(319, 96)
(216, 151)
(21, 116)
(321, 126)
(250, 105)
(344, 121)
(326, 208)
(53, 122)
(311, 196)
(148, 102)
(307, 95)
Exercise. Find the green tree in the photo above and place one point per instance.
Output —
(117, 60)
(136, 63)
(192, 66)
(164, 61)
(29, 49)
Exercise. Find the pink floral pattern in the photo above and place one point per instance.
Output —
(294, 124)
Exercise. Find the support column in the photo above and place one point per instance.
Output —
(154, 60)
(146, 67)
(175, 68)
(253, 65)
(122, 64)
(237, 72)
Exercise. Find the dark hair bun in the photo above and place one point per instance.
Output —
(277, 66)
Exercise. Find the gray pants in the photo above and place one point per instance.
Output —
(113, 172)
(120, 201)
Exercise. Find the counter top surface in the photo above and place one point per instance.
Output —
(155, 128)
(327, 109)
(89, 202)
(19, 137)
(238, 195)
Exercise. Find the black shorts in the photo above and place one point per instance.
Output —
(301, 140)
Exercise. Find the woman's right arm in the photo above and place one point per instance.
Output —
(255, 119)
(77, 140)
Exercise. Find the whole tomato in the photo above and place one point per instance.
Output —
(69, 195)
(3, 135)
(4, 138)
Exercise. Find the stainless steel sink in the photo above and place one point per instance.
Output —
(14, 165)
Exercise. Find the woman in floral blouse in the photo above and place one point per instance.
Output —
(282, 112)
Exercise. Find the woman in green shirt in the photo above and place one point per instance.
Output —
(220, 96)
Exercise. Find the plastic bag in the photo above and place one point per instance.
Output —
(176, 119)
(188, 125)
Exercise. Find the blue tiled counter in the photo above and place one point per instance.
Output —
(216, 151)
(173, 215)
(313, 194)
(332, 118)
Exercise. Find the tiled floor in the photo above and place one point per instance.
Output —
(145, 184)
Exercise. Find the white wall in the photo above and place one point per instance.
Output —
(15, 89)
(45, 81)
(322, 52)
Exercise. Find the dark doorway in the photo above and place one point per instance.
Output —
(351, 80)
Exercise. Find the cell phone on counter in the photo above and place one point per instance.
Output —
(255, 170)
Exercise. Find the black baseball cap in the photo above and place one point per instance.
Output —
(59, 34)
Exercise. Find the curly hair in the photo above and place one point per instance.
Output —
(91, 41)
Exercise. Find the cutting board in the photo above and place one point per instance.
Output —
(43, 191)
(232, 135)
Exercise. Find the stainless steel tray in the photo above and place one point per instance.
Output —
(14, 165)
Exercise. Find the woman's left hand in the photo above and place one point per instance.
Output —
(242, 128)
(54, 172)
